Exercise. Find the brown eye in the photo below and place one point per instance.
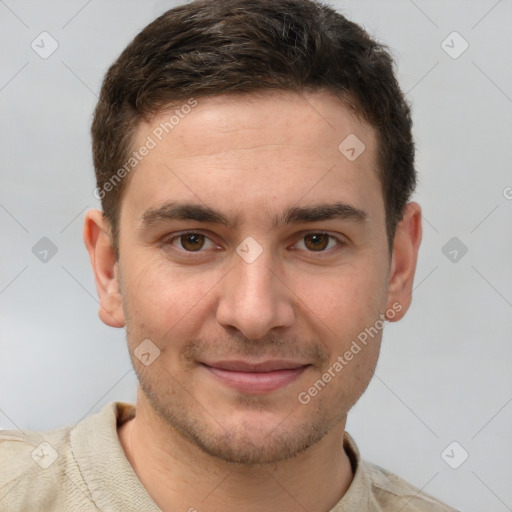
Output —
(190, 244)
(192, 241)
(316, 241)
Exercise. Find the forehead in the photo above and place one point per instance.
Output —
(242, 149)
(307, 120)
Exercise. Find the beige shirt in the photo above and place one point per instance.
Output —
(83, 468)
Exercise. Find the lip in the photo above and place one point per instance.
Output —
(262, 377)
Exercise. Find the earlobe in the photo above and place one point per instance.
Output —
(105, 268)
(403, 265)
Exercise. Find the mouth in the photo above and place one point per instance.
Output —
(255, 378)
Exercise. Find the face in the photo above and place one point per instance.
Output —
(253, 253)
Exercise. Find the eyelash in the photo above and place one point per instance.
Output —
(196, 254)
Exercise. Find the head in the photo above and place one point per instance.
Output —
(254, 160)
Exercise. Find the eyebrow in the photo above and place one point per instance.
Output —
(176, 210)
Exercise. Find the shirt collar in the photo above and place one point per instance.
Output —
(113, 483)
(109, 476)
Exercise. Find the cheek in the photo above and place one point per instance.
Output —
(162, 296)
(358, 372)
(344, 298)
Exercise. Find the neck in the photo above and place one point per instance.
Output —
(179, 476)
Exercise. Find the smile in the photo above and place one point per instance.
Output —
(256, 378)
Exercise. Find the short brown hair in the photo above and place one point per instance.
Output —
(207, 48)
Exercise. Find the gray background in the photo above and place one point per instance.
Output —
(445, 370)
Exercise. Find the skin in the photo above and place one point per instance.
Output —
(195, 441)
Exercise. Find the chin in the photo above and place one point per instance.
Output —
(251, 446)
(252, 437)
(250, 431)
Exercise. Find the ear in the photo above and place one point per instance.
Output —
(105, 267)
(403, 262)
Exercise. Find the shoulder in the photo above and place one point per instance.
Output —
(390, 490)
(22, 452)
(36, 470)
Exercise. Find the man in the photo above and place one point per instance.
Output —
(254, 160)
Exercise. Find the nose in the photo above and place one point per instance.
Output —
(255, 298)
